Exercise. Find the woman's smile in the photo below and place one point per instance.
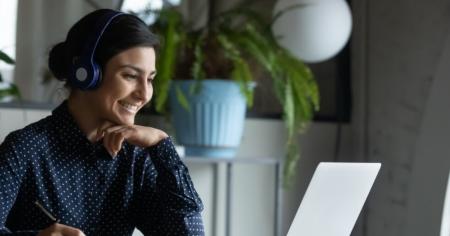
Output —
(129, 107)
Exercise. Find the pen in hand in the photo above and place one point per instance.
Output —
(46, 212)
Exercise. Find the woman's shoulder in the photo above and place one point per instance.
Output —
(30, 134)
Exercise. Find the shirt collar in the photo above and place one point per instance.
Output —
(69, 130)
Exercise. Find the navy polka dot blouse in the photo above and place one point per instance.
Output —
(52, 161)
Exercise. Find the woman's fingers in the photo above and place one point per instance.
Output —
(101, 130)
(117, 138)
(108, 140)
(61, 230)
(71, 231)
(114, 136)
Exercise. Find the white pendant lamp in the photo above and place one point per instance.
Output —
(312, 30)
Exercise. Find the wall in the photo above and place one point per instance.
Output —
(400, 50)
(431, 161)
(40, 25)
(13, 119)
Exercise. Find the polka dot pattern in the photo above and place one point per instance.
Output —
(52, 161)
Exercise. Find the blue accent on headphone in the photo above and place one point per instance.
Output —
(85, 72)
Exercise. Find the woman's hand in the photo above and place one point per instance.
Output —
(142, 136)
(60, 230)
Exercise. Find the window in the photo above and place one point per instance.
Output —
(8, 11)
(139, 6)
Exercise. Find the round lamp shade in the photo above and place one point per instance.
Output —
(312, 30)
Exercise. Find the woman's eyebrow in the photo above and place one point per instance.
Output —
(139, 70)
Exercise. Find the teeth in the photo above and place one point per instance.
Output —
(129, 107)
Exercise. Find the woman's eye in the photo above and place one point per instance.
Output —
(150, 80)
(131, 76)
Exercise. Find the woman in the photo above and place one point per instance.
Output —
(88, 164)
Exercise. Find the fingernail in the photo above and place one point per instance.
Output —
(111, 154)
(100, 136)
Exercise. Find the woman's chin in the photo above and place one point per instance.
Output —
(127, 121)
(124, 120)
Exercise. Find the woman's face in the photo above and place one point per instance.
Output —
(126, 86)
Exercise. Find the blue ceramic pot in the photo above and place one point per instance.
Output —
(213, 126)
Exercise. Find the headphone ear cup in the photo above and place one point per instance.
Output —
(96, 76)
(83, 74)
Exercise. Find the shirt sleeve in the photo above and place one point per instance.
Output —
(12, 171)
(171, 205)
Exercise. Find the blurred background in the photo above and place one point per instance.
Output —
(384, 98)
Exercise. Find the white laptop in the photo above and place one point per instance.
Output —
(334, 199)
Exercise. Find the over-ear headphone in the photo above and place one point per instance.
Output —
(85, 73)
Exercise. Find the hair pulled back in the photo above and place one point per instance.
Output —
(124, 32)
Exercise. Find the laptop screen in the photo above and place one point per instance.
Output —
(334, 198)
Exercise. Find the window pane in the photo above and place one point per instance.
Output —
(8, 13)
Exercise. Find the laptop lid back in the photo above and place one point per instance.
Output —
(334, 199)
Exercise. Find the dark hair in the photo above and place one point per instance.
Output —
(124, 32)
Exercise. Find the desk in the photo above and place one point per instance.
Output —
(229, 162)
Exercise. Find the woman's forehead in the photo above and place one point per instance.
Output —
(138, 58)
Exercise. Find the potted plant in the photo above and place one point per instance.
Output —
(8, 91)
(228, 47)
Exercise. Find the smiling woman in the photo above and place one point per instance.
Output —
(88, 164)
(126, 88)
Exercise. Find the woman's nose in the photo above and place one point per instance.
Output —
(143, 91)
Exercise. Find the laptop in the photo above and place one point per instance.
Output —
(334, 199)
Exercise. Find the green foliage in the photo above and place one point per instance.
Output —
(12, 90)
(169, 20)
(182, 99)
(6, 58)
(229, 47)
(241, 70)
